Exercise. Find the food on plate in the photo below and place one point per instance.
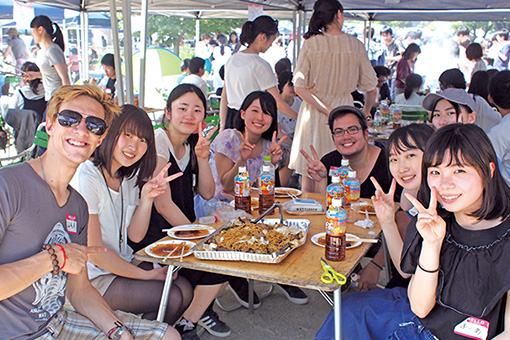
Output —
(175, 248)
(366, 208)
(285, 192)
(191, 233)
(257, 238)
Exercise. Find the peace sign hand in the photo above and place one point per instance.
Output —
(430, 225)
(246, 148)
(316, 169)
(158, 184)
(275, 150)
(383, 203)
(203, 146)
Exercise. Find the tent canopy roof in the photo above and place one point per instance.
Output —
(449, 10)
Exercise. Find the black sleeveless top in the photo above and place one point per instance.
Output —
(38, 105)
(183, 192)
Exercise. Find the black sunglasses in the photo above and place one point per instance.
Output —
(70, 118)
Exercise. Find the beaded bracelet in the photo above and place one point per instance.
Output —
(54, 261)
(63, 254)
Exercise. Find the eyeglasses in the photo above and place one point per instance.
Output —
(352, 130)
(70, 118)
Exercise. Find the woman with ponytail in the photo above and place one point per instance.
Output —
(50, 58)
(331, 65)
(246, 71)
(411, 89)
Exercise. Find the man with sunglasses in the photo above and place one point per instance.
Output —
(43, 234)
(349, 130)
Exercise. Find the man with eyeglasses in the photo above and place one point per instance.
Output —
(349, 131)
(43, 234)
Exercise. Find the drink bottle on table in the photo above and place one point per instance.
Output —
(266, 183)
(352, 187)
(343, 170)
(334, 190)
(336, 223)
(242, 190)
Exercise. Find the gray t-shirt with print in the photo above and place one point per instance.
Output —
(29, 218)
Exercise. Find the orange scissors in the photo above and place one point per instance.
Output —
(331, 275)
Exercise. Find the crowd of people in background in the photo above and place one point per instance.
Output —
(450, 174)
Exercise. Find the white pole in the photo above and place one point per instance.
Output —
(128, 50)
(116, 52)
(143, 54)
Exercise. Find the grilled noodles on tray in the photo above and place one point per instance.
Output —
(257, 238)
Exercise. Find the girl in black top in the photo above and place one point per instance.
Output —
(177, 142)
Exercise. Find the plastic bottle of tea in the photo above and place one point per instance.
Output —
(352, 188)
(336, 220)
(266, 183)
(242, 190)
(334, 190)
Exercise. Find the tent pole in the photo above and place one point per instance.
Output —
(294, 35)
(116, 52)
(84, 37)
(368, 35)
(143, 55)
(128, 50)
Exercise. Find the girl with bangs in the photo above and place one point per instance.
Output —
(405, 153)
(455, 250)
(119, 191)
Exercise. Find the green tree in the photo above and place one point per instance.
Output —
(225, 26)
(171, 31)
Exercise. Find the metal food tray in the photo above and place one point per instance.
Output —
(251, 257)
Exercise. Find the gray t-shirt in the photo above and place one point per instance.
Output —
(29, 218)
(19, 49)
(46, 59)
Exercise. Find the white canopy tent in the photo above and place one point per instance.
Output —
(369, 10)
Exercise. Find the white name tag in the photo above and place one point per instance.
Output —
(71, 224)
(473, 328)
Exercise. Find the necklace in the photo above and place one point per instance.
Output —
(42, 169)
(121, 224)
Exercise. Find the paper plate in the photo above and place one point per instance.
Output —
(286, 192)
(363, 206)
(162, 248)
(316, 237)
(190, 231)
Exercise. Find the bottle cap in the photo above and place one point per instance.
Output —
(266, 168)
(334, 179)
(336, 202)
(351, 174)
(242, 169)
(267, 158)
(345, 162)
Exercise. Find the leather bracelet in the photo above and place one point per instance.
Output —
(54, 261)
(63, 254)
(426, 270)
(376, 265)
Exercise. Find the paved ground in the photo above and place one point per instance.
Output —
(276, 319)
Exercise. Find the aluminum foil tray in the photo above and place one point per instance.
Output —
(202, 254)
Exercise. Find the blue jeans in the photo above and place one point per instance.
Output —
(382, 314)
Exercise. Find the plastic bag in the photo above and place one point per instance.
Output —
(223, 211)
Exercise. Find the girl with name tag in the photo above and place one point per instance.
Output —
(455, 249)
(119, 191)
